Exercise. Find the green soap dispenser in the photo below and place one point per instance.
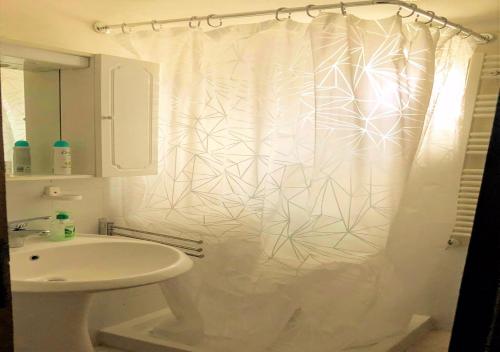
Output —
(62, 227)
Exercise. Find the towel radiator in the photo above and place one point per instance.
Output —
(479, 111)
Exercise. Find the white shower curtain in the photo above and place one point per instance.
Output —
(286, 146)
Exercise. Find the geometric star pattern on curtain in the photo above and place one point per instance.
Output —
(297, 135)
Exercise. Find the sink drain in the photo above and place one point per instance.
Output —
(56, 279)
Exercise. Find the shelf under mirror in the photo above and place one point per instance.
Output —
(44, 177)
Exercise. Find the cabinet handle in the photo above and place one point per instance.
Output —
(107, 117)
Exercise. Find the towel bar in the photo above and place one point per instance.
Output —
(108, 228)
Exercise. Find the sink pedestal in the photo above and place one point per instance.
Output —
(50, 322)
(53, 282)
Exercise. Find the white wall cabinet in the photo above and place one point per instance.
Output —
(108, 110)
(126, 110)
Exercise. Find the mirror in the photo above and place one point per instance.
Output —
(31, 111)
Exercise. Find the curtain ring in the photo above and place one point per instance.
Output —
(342, 9)
(125, 28)
(155, 25)
(308, 11)
(276, 15)
(414, 8)
(467, 36)
(212, 25)
(194, 18)
(460, 29)
(445, 23)
(433, 14)
(416, 17)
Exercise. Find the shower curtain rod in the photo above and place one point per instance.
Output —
(195, 21)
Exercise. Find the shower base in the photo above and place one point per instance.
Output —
(133, 336)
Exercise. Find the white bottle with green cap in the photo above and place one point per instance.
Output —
(22, 158)
(62, 158)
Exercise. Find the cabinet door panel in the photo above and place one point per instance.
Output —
(127, 116)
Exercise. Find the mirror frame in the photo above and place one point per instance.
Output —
(6, 322)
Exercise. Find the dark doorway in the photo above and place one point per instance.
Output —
(477, 320)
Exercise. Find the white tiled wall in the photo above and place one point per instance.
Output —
(24, 200)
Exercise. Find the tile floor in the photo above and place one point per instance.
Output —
(434, 341)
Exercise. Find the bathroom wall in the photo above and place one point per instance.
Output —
(24, 200)
(65, 25)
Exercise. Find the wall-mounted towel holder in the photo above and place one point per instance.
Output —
(108, 228)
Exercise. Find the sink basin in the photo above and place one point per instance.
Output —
(93, 263)
(53, 282)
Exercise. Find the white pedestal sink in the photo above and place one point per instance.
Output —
(52, 284)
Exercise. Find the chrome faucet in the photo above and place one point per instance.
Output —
(18, 231)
